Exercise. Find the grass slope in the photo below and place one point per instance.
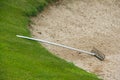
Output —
(22, 59)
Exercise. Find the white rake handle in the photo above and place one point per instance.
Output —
(56, 44)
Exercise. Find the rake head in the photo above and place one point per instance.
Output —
(98, 54)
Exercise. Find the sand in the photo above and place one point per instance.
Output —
(83, 24)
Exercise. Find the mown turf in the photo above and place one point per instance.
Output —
(22, 59)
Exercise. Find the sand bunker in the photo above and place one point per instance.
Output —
(83, 24)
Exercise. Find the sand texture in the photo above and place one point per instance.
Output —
(83, 24)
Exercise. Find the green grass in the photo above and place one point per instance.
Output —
(22, 59)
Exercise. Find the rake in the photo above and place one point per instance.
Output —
(99, 55)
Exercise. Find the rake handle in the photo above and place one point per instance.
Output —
(56, 44)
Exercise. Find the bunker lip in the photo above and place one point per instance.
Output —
(83, 24)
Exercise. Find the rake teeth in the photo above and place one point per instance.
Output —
(98, 54)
